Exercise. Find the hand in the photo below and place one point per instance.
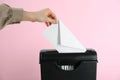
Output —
(45, 15)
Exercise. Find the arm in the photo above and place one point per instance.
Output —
(9, 15)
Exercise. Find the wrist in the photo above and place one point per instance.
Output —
(29, 16)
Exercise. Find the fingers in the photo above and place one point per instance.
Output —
(50, 21)
(47, 24)
(48, 17)
(52, 17)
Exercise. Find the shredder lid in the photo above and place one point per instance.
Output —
(53, 55)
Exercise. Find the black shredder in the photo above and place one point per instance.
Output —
(68, 66)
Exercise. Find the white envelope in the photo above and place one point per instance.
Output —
(62, 39)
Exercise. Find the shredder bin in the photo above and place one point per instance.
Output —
(68, 66)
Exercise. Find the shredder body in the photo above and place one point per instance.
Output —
(68, 66)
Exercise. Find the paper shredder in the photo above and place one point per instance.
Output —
(68, 66)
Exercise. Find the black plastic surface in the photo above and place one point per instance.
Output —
(85, 65)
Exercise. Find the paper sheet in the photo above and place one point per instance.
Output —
(62, 39)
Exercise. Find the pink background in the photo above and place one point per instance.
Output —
(96, 23)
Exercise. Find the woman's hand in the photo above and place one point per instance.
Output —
(45, 15)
